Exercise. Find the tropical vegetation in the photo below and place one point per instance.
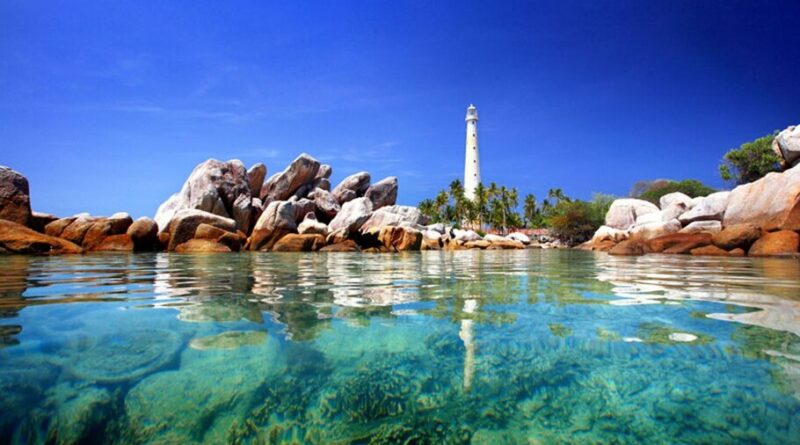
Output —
(497, 207)
(751, 161)
(653, 193)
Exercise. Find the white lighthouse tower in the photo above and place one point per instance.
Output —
(472, 163)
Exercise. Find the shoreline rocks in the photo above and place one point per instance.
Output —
(761, 218)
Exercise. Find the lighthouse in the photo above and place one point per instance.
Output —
(472, 163)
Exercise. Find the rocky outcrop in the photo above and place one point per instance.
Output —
(649, 231)
(144, 234)
(702, 226)
(88, 231)
(518, 236)
(326, 204)
(352, 187)
(678, 242)
(15, 200)
(623, 212)
(255, 179)
(115, 243)
(733, 219)
(674, 199)
(466, 235)
(432, 240)
(310, 226)
(771, 203)
(503, 243)
(40, 220)
(221, 203)
(102, 228)
(216, 187)
(712, 208)
(787, 146)
(278, 219)
(782, 242)
(353, 214)
(628, 248)
(382, 193)
(299, 243)
(606, 233)
(400, 239)
(284, 184)
(344, 246)
(183, 225)
(739, 235)
(395, 215)
(16, 238)
(710, 250)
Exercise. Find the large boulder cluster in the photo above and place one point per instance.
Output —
(761, 218)
(293, 210)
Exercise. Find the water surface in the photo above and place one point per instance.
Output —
(481, 347)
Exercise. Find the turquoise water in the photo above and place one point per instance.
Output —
(481, 347)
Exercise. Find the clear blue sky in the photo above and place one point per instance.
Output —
(107, 106)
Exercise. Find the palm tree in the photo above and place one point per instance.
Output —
(441, 202)
(457, 193)
(529, 209)
(557, 195)
(481, 202)
(428, 207)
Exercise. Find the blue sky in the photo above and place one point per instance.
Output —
(107, 106)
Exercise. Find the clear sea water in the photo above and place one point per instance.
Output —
(480, 347)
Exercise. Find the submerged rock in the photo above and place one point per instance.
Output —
(114, 358)
(229, 340)
(199, 402)
(78, 413)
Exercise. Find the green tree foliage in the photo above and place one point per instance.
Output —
(751, 161)
(575, 221)
(571, 220)
(691, 187)
(531, 213)
(647, 185)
